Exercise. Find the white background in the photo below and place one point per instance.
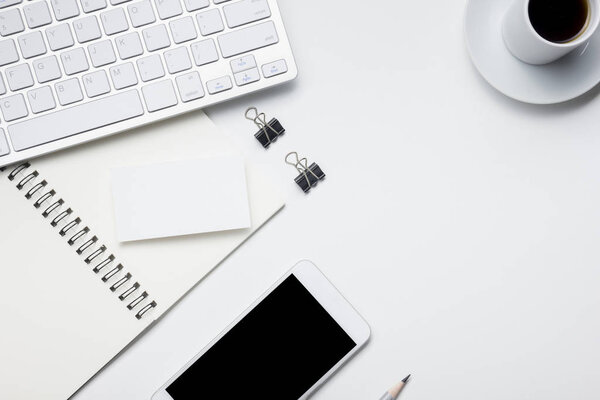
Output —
(463, 225)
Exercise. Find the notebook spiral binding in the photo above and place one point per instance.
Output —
(79, 237)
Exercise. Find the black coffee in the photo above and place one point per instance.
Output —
(559, 21)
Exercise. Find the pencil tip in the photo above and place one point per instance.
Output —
(406, 379)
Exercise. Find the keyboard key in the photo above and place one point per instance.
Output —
(129, 45)
(2, 86)
(159, 95)
(204, 52)
(248, 39)
(177, 60)
(168, 8)
(156, 37)
(246, 11)
(183, 30)
(86, 29)
(19, 77)
(8, 52)
(13, 107)
(246, 77)
(93, 5)
(32, 44)
(190, 86)
(141, 13)
(11, 22)
(219, 85)
(65, 9)
(96, 83)
(275, 68)
(37, 14)
(75, 120)
(46, 69)
(102, 53)
(193, 5)
(74, 61)
(123, 76)
(59, 37)
(150, 68)
(68, 91)
(41, 99)
(114, 21)
(243, 63)
(4, 149)
(7, 3)
(210, 22)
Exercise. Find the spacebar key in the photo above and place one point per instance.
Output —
(75, 120)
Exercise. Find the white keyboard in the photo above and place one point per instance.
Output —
(72, 71)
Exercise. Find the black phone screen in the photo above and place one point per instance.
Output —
(278, 351)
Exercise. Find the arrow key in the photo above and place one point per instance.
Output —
(246, 77)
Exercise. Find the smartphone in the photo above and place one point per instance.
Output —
(283, 347)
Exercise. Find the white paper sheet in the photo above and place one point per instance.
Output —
(180, 198)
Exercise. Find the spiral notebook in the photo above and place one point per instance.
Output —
(72, 296)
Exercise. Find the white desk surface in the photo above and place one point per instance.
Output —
(463, 225)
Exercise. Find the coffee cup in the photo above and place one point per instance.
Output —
(541, 31)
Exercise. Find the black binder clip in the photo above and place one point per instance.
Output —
(309, 175)
(267, 132)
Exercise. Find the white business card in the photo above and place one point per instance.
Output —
(180, 198)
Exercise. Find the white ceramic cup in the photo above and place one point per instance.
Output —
(526, 44)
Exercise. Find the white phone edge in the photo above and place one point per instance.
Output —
(327, 295)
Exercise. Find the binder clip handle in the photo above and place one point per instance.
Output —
(249, 116)
(301, 164)
(259, 119)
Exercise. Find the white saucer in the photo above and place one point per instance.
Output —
(562, 80)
